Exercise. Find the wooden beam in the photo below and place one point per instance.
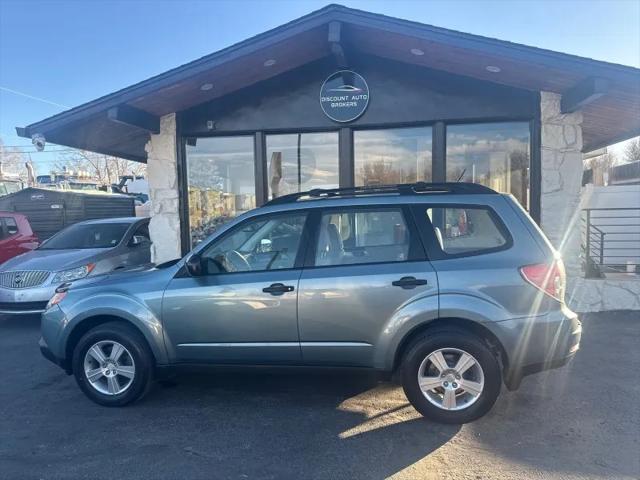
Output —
(134, 117)
(334, 32)
(583, 93)
(335, 39)
(589, 147)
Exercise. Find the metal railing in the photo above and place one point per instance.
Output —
(611, 241)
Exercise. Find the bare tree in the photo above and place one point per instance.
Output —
(380, 172)
(104, 168)
(632, 151)
(13, 161)
(602, 162)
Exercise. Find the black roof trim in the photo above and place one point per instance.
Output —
(419, 188)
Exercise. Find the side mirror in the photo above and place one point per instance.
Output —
(138, 240)
(194, 265)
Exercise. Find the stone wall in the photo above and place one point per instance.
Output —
(561, 159)
(163, 192)
(561, 204)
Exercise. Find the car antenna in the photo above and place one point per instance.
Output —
(464, 170)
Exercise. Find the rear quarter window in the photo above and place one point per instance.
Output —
(467, 230)
(12, 226)
(8, 227)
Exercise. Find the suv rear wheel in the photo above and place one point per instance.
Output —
(451, 376)
(113, 365)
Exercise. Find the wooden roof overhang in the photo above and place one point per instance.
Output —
(119, 124)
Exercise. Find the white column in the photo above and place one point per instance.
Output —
(162, 174)
(561, 179)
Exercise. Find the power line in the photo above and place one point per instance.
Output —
(29, 146)
(17, 146)
(43, 151)
(32, 97)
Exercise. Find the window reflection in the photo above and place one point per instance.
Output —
(220, 174)
(301, 161)
(492, 154)
(398, 155)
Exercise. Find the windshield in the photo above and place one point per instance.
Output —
(106, 235)
(44, 179)
(83, 186)
(8, 187)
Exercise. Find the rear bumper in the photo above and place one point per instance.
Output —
(537, 344)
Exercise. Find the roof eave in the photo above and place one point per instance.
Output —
(332, 13)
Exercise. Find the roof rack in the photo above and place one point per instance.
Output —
(399, 189)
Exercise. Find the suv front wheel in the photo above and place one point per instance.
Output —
(451, 376)
(112, 364)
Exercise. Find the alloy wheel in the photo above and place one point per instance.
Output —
(109, 367)
(451, 379)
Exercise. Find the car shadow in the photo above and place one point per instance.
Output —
(297, 423)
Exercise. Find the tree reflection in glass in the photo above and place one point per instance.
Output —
(492, 154)
(398, 155)
(221, 181)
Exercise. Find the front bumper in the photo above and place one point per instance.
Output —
(49, 355)
(51, 343)
(22, 308)
(25, 301)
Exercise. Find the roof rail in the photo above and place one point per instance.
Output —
(399, 189)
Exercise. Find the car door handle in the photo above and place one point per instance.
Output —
(409, 282)
(278, 289)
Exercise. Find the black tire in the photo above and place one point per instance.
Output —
(138, 348)
(434, 340)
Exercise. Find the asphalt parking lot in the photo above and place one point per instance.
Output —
(579, 422)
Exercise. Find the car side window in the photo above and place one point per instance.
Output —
(12, 226)
(466, 229)
(3, 231)
(266, 243)
(368, 236)
(142, 231)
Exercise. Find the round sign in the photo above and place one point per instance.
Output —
(344, 96)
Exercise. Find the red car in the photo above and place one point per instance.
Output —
(16, 236)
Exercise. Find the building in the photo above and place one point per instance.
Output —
(346, 97)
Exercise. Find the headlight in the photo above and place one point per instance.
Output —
(74, 273)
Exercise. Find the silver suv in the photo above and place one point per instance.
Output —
(451, 286)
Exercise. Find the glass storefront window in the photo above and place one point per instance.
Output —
(220, 173)
(492, 154)
(301, 161)
(397, 155)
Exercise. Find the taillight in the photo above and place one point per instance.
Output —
(551, 279)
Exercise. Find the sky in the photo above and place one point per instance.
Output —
(56, 54)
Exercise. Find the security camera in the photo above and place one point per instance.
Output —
(38, 141)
